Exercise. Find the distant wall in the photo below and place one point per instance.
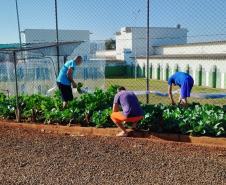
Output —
(192, 49)
(209, 72)
(134, 39)
(106, 54)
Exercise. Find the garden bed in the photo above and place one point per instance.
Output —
(92, 131)
(94, 110)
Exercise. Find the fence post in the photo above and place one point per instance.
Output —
(17, 111)
(57, 38)
(148, 52)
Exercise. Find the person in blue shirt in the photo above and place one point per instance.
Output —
(185, 82)
(65, 79)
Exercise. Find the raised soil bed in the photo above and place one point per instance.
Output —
(92, 131)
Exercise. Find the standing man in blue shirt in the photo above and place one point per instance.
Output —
(185, 82)
(65, 79)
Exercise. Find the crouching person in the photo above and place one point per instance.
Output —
(131, 110)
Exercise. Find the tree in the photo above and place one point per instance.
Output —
(110, 44)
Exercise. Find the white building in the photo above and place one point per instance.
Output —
(49, 35)
(81, 39)
(205, 61)
(132, 41)
(169, 52)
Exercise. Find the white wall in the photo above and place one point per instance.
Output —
(196, 48)
(106, 54)
(135, 39)
(194, 65)
(39, 36)
(123, 41)
(48, 35)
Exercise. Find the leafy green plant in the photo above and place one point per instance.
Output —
(152, 118)
(102, 118)
(195, 119)
(7, 107)
(94, 109)
(79, 86)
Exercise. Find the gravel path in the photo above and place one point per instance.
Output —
(31, 157)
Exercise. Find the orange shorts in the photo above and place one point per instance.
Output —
(118, 117)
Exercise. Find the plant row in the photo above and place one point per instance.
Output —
(94, 109)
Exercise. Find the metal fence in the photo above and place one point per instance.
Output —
(34, 70)
(182, 36)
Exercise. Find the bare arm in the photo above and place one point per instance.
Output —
(115, 107)
(70, 77)
(170, 94)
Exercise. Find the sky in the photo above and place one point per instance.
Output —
(205, 20)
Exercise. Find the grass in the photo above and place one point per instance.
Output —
(158, 85)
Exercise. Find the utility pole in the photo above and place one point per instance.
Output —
(18, 116)
(18, 24)
(57, 38)
(148, 89)
(135, 53)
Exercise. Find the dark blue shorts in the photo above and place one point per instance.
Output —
(186, 87)
(66, 92)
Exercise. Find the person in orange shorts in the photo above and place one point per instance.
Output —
(131, 110)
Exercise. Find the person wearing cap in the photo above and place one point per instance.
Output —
(65, 79)
(185, 82)
(131, 110)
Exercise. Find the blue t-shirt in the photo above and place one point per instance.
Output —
(184, 81)
(62, 77)
(129, 103)
(179, 78)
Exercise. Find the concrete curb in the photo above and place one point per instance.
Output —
(88, 131)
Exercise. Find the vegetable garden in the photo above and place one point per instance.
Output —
(94, 109)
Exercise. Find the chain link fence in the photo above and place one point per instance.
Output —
(112, 37)
(36, 69)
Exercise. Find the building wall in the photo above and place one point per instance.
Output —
(48, 35)
(81, 38)
(211, 71)
(135, 39)
(199, 48)
(123, 41)
(106, 54)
